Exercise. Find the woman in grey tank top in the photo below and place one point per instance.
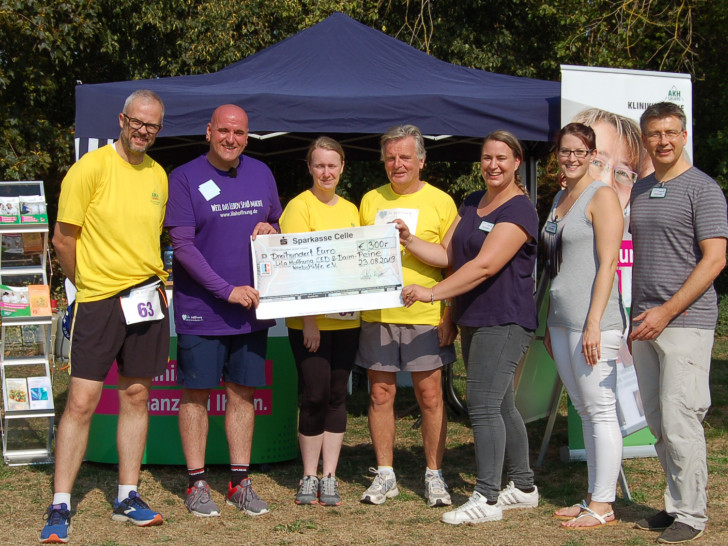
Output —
(586, 321)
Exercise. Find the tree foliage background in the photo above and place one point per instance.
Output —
(46, 47)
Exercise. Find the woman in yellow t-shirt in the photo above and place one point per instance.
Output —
(324, 346)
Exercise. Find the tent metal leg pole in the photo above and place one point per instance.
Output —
(555, 398)
(624, 485)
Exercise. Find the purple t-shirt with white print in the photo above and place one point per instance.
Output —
(223, 210)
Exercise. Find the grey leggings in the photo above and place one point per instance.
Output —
(492, 354)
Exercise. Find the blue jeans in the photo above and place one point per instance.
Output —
(491, 355)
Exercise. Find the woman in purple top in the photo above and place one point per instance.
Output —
(491, 247)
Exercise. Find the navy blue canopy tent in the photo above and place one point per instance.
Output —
(340, 78)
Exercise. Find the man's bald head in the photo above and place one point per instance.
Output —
(228, 111)
(227, 134)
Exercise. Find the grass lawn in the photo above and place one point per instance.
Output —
(26, 492)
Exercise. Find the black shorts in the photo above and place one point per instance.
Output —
(337, 347)
(100, 335)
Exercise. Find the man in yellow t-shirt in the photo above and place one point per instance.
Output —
(110, 217)
(407, 339)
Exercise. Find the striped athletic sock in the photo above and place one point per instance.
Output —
(238, 472)
(195, 474)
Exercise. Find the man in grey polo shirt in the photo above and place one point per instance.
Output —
(679, 229)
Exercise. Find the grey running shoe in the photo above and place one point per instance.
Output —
(199, 502)
(383, 487)
(656, 522)
(307, 490)
(247, 500)
(476, 510)
(678, 533)
(512, 497)
(329, 491)
(436, 492)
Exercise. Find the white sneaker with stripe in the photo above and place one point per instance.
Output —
(476, 510)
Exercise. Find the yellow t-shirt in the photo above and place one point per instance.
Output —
(306, 213)
(120, 210)
(434, 211)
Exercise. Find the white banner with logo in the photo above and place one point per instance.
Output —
(624, 92)
(585, 92)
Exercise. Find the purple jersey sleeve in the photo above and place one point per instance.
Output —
(185, 252)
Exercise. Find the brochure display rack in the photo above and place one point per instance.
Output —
(25, 321)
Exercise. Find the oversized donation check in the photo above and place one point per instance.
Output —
(333, 271)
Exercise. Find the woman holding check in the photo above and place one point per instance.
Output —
(491, 247)
(323, 346)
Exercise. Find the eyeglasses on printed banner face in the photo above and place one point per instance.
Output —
(622, 176)
(656, 136)
(580, 153)
(136, 124)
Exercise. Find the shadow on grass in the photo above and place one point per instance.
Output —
(560, 484)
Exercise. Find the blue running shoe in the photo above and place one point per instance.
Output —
(136, 511)
(57, 526)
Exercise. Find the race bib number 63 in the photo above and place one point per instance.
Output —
(142, 305)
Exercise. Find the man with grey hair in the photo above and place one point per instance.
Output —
(407, 339)
(106, 237)
(679, 229)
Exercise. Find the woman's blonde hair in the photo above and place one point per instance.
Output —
(626, 128)
(325, 143)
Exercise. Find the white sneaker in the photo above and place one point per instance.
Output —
(436, 492)
(383, 487)
(512, 497)
(476, 510)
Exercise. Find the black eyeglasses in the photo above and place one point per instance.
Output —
(136, 124)
(565, 152)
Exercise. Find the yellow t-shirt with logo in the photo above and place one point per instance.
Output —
(435, 211)
(306, 213)
(120, 210)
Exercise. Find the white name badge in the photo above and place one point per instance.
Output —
(486, 226)
(658, 192)
(350, 315)
(209, 190)
(142, 305)
(408, 216)
(551, 227)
